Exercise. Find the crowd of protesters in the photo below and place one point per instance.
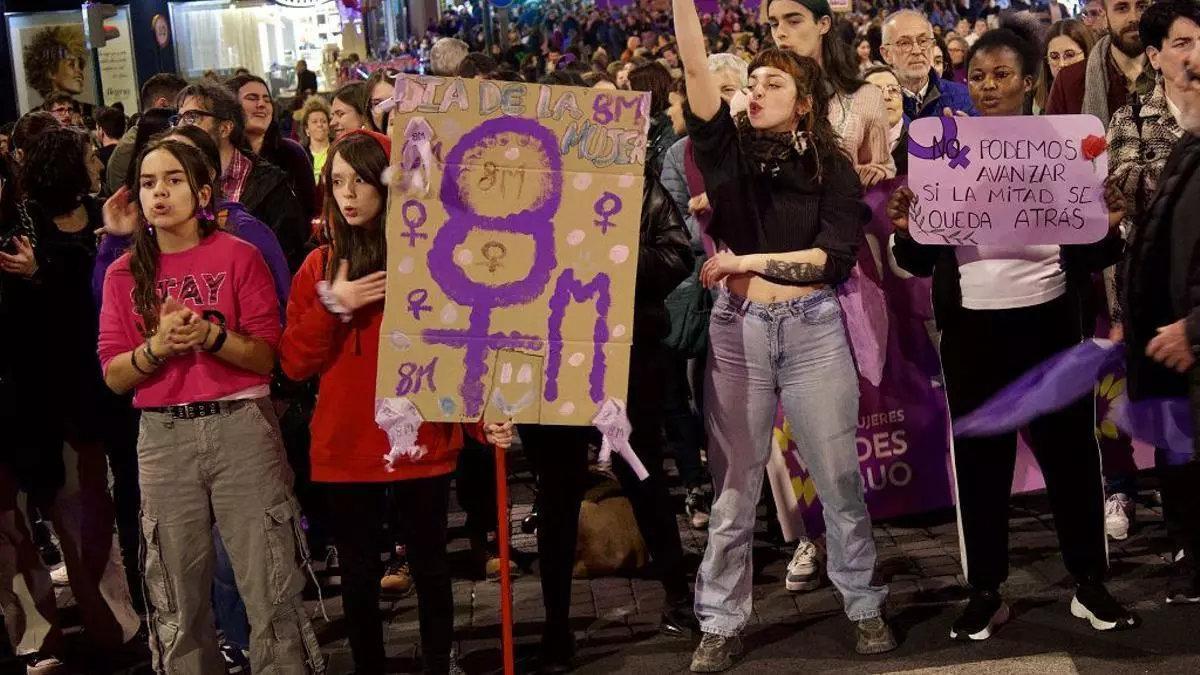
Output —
(198, 291)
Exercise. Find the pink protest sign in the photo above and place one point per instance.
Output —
(1008, 180)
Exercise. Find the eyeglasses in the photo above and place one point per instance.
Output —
(905, 45)
(890, 91)
(191, 118)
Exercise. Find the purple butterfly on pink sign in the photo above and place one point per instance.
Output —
(981, 181)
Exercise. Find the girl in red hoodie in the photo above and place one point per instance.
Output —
(333, 320)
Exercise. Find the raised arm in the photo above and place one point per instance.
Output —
(703, 95)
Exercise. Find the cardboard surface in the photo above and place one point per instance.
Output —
(1007, 181)
(512, 249)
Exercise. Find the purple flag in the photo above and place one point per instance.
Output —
(1052, 385)
(864, 309)
(1162, 422)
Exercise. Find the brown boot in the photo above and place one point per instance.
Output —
(397, 581)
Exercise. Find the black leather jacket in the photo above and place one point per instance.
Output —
(665, 259)
(268, 196)
(1162, 277)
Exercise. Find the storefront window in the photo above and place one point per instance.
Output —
(265, 38)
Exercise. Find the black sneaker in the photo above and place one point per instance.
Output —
(679, 619)
(40, 534)
(558, 654)
(985, 612)
(1093, 602)
(1185, 583)
(529, 524)
(697, 508)
(237, 662)
(333, 567)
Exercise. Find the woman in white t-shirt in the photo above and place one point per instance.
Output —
(1003, 310)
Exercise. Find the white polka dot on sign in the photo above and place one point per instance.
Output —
(582, 181)
(618, 330)
(400, 341)
(449, 314)
(619, 253)
(512, 154)
(406, 265)
(464, 256)
(576, 359)
(566, 409)
(575, 237)
(625, 180)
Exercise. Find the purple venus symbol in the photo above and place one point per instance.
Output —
(947, 146)
(416, 302)
(606, 206)
(413, 222)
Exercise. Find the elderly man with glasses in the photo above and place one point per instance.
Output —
(263, 188)
(907, 43)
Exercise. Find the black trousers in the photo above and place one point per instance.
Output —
(120, 442)
(560, 457)
(359, 510)
(684, 427)
(1180, 484)
(476, 488)
(982, 351)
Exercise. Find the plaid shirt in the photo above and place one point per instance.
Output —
(1138, 147)
(1139, 143)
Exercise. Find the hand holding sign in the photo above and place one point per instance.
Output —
(1114, 199)
(500, 435)
(898, 207)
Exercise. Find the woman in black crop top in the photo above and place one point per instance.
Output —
(787, 219)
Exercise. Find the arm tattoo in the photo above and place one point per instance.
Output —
(794, 272)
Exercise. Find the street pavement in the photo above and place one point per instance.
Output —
(615, 619)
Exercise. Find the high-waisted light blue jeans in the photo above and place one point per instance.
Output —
(795, 353)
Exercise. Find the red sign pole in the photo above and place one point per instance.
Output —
(502, 520)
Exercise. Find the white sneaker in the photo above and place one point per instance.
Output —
(58, 576)
(1117, 512)
(804, 571)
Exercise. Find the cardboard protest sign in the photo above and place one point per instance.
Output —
(1008, 180)
(512, 249)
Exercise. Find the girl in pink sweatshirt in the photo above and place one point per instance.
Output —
(190, 322)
